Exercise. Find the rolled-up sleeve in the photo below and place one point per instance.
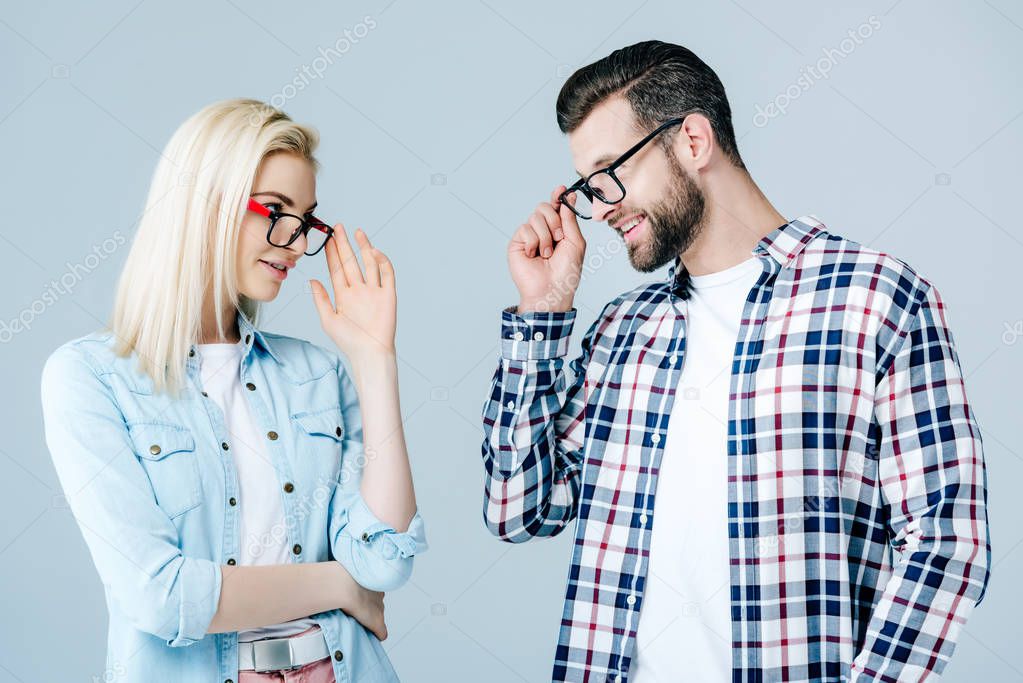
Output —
(378, 556)
(132, 541)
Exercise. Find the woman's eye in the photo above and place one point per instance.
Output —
(274, 206)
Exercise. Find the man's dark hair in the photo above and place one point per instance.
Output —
(661, 81)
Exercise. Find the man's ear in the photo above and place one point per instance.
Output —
(694, 142)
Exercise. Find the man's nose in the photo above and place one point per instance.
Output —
(602, 211)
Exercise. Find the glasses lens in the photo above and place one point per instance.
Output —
(606, 188)
(315, 239)
(582, 204)
(283, 229)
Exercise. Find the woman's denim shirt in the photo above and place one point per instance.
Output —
(152, 484)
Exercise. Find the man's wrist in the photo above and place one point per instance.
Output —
(543, 306)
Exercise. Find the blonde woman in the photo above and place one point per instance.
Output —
(245, 498)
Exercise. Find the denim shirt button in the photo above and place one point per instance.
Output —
(271, 435)
(154, 449)
(338, 655)
(250, 386)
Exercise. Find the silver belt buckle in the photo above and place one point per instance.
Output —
(272, 655)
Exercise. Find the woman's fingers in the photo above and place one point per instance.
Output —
(321, 299)
(368, 259)
(346, 255)
(386, 268)
(334, 266)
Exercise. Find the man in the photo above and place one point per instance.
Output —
(793, 398)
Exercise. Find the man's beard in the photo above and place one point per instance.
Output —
(672, 224)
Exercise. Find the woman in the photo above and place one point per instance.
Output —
(244, 497)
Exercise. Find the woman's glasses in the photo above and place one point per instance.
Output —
(285, 228)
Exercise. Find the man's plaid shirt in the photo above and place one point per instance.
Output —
(856, 482)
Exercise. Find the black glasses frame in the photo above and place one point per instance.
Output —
(583, 184)
(305, 225)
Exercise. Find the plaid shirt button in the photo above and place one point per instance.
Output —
(518, 336)
(631, 600)
(538, 336)
(655, 438)
(643, 518)
(510, 405)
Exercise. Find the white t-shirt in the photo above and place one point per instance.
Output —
(685, 630)
(264, 532)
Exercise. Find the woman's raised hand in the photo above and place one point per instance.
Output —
(363, 317)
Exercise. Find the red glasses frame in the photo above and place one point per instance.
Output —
(307, 223)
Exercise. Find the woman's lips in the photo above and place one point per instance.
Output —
(279, 274)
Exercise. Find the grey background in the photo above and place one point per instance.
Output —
(438, 139)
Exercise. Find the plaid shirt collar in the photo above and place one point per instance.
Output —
(783, 244)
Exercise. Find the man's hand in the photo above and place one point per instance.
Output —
(545, 257)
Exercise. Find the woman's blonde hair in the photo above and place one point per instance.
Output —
(186, 239)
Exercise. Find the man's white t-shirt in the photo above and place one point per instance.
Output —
(264, 532)
(685, 630)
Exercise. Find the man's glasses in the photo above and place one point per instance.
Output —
(604, 185)
(285, 228)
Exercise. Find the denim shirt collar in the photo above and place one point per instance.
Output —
(250, 336)
(783, 244)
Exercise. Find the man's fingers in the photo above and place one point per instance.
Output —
(527, 238)
(553, 220)
(570, 223)
(556, 195)
(543, 234)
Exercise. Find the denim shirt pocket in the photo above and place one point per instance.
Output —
(167, 452)
(321, 434)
